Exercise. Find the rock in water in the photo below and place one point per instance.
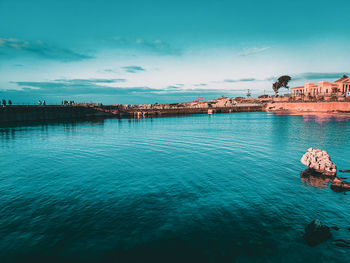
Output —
(340, 185)
(342, 243)
(316, 233)
(319, 161)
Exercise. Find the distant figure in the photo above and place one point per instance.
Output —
(4, 103)
(44, 102)
(39, 102)
(10, 102)
(61, 102)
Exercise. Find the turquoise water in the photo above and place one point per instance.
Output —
(220, 188)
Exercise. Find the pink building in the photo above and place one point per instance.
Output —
(340, 87)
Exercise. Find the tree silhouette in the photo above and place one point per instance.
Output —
(282, 82)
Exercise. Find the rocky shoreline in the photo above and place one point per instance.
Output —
(320, 173)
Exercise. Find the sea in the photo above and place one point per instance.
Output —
(199, 188)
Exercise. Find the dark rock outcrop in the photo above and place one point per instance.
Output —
(316, 233)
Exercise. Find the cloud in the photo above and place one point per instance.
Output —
(200, 85)
(154, 46)
(109, 71)
(312, 76)
(239, 80)
(252, 51)
(133, 69)
(95, 86)
(102, 90)
(174, 87)
(70, 88)
(18, 47)
(90, 81)
(192, 94)
(318, 75)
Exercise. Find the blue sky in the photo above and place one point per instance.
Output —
(166, 51)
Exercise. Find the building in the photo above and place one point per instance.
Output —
(339, 88)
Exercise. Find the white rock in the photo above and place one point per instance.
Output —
(319, 161)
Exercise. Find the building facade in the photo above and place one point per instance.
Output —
(340, 87)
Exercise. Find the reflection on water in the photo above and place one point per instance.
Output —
(9, 131)
(319, 117)
(314, 178)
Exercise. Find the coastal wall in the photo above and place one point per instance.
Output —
(14, 114)
(144, 112)
(309, 106)
(25, 113)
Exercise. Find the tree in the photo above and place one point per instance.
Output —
(282, 82)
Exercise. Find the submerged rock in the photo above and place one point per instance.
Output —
(316, 179)
(342, 243)
(316, 233)
(320, 161)
(340, 185)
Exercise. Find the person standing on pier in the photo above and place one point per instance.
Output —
(10, 102)
(4, 103)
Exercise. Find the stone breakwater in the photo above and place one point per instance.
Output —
(21, 113)
(320, 161)
(138, 111)
(30, 113)
(24, 113)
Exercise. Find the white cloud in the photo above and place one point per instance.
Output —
(252, 51)
(16, 47)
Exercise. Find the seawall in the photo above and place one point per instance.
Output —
(138, 113)
(31, 113)
(309, 106)
(19, 113)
